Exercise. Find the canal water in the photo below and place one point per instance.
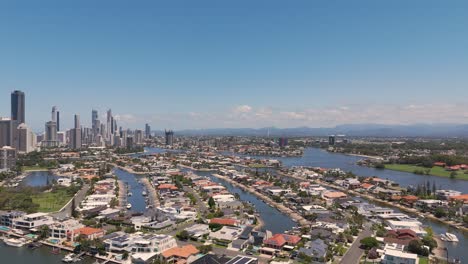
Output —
(24, 255)
(135, 187)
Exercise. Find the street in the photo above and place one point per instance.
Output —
(353, 255)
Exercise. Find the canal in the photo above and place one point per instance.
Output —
(274, 220)
(134, 186)
(24, 255)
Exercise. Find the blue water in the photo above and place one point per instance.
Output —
(39, 179)
(314, 157)
(137, 199)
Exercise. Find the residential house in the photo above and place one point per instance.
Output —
(180, 255)
(316, 249)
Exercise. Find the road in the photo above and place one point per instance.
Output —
(353, 255)
(80, 195)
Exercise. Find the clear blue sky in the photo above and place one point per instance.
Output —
(194, 64)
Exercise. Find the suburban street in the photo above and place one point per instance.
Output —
(353, 255)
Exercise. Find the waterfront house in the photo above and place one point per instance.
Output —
(7, 218)
(459, 198)
(62, 229)
(279, 241)
(409, 200)
(446, 194)
(88, 233)
(180, 255)
(400, 236)
(392, 256)
(430, 204)
(413, 225)
(31, 221)
(226, 235)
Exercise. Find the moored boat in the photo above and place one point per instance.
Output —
(449, 237)
(14, 242)
(129, 206)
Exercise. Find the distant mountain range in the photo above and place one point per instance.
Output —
(354, 130)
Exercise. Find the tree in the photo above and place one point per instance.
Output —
(205, 249)
(211, 203)
(417, 247)
(440, 212)
(429, 242)
(369, 242)
(453, 175)
(183, 235)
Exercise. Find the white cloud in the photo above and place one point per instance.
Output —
(242, 109)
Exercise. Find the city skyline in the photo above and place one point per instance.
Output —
(223, 65)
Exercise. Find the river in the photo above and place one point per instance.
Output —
(314, 157)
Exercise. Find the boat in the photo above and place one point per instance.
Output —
(129, 194)
(14, 242)
(144, 193)
(449, 237)
(129, 206)
(69, 258)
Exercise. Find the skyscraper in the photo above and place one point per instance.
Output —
(76, 134)
(94, 121)
(147, 131)
(26, 141)
(18, 107)
(50, 134)
(169, 137)
(56, 116)
(7, 132)
(109, 124)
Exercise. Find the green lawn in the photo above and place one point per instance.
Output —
(435, 171)
(423, 260)
(34, 168)
(51, 201)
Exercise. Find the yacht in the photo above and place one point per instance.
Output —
(449, 237)
(130, 194)
(144, 193)
(69, 258)
(14, 242)
(129, 206)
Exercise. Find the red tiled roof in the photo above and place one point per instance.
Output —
(88, 231)
(224, 221)
(181, 252)
(282, 239)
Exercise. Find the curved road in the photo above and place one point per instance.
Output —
(354, 253)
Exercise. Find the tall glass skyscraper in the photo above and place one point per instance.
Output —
(18, 107)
